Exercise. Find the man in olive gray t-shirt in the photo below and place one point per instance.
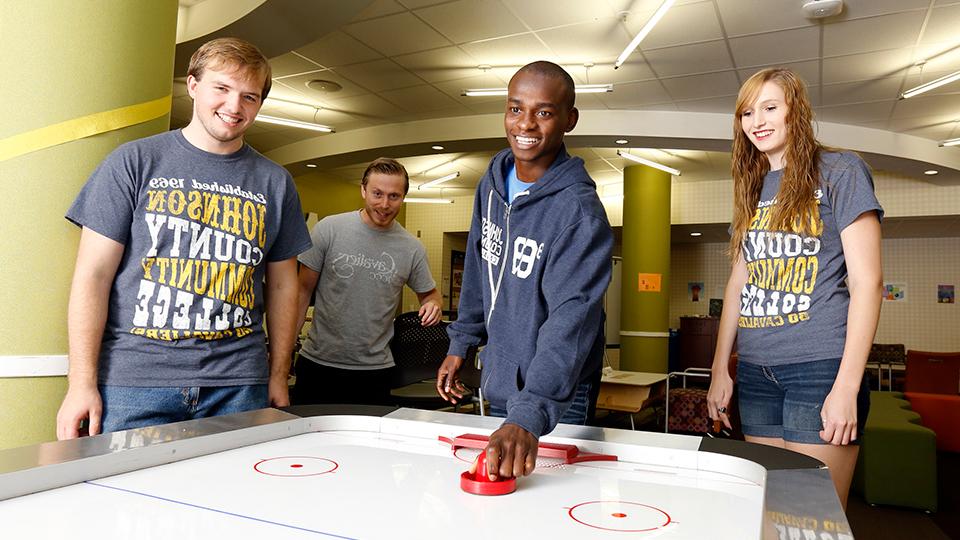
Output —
(355, 272)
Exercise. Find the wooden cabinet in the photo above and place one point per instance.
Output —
(698, 339)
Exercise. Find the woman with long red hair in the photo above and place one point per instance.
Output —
(803, 298)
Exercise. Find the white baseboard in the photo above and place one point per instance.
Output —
(33, 366)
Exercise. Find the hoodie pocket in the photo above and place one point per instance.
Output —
(499, 376)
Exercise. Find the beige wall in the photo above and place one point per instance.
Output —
(920, 263)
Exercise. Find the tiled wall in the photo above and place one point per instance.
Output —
(919, 322)
(428, 222)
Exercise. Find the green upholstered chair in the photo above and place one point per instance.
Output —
(897, 464)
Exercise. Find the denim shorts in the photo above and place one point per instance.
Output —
(128, 407)
(784, 402)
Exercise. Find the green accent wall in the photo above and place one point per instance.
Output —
(325, 196)
(61, 61)
(645, 250)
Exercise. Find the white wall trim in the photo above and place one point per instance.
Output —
(33, 366)
(631, 333)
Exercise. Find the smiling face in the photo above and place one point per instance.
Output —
(538, 114)
(764, 123)
(382, 198)
(225, 103)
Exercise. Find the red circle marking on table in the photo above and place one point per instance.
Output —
(667, 519)
(263, 466)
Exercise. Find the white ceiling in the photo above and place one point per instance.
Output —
(400, 61)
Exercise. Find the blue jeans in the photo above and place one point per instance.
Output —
(128, 407)
(577, 414)
(784, 402)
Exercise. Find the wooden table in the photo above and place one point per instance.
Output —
(630, 391)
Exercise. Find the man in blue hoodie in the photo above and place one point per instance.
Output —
(538, 264)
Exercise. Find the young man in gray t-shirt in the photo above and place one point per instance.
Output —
(183, 235)
(355, 272)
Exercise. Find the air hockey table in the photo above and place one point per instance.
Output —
(369, 473)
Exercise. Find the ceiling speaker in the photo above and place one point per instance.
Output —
(819, 9)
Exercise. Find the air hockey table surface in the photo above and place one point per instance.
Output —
(272, 474)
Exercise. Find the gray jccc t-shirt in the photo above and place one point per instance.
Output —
(198, 230)
(793, 307)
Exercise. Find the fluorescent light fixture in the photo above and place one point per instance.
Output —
(424, 200)
(950, 142)
(439, 181)
(946, 79)
(580, 89)
(312, 165)
(695, 233)
(648, 163)
(621, 141)
(436, 147)
(294, 123)
(593, 88)
(643, 33)
(931, 172)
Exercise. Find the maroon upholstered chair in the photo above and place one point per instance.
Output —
(933, 372)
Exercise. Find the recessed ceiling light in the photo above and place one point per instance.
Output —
(437, 147)
(312, 165)
(931, 172)
(621, 141)
(326, 87)
(695, 233)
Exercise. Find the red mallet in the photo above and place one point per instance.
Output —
(479, 483)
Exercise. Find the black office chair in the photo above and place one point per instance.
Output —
(418, 352)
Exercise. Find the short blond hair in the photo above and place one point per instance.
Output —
(235, 53)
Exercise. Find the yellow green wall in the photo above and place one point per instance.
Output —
(61, 61)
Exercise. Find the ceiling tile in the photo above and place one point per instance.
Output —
(741, 17)
(446, 64)
(633, 70)
(367, 106)
(421, 98)
(872, 34)
(379, 75)
(414, 4)
(942, 26)
(928, 104)
(808, 71)
(857, 92)
(338, 49)
(856, 9)
(567, 43)
(396, 34)
(289, 64)
(513, 51)
(455, 89)
(689, 59)
(631, 95)
(680, 25)
(537, 16)
(702, 86)
(777, 47)
(721, 104)
(471, 20)
(856, 113)
(858, 67)
(299, 84)
(379, 8)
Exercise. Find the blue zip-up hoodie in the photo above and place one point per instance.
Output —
(534, 278)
